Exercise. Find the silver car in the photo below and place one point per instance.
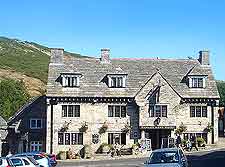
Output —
(167, 157)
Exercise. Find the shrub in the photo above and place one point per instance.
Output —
(200, 141)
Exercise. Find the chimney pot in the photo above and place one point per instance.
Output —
(204, 57)
(105, 55)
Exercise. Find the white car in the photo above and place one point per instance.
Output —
(167, 157)
(24, 161)
(5, 162)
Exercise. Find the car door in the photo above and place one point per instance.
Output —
(183, 159)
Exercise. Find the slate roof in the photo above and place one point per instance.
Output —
(138, 72)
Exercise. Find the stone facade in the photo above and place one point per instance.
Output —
(144, 79)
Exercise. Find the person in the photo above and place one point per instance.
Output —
(193, 142)
(117, 148)
(9, 154)
(188, 145)
(178, 141)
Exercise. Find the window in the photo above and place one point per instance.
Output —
(115, 81)
(70, 111)
(119, 138)
(197, 82)
(60, 138)
(70, 80)
(35, 146)
(26, 162)
(198, 111)
(70, 138)
(17, 162)
(158, 111)
(202, 135)
(35, 123)
(117, 111)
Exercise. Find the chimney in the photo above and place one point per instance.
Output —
(56, 55)
(204, 57)
(105, 55)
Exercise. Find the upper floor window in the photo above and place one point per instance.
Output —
(117, 111)
(158, 111)
(117, 81)
(70, 111)
(35, 123)
(197, 82)
(198, 111)
(70, 80)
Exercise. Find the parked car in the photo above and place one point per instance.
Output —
(24, 161)
(6, 162)
(167, 157)
(40, 158)
(52, 158)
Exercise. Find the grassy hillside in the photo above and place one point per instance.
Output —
(29, 58)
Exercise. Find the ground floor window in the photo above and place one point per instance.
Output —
(114, 138)
(202, 135)
(70, 138)
(35, 146)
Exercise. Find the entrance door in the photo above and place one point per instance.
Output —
(156, 136)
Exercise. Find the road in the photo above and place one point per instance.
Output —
(199, 159)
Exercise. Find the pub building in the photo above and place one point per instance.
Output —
(91, 101)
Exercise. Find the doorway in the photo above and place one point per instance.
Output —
(156, 136)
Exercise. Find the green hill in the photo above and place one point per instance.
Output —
(29, 58)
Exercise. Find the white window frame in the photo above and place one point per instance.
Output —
(123, 85)
(35, 119)
(197, 77)
(35, 144)
(66, 77)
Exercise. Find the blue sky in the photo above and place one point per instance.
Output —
(130, 28)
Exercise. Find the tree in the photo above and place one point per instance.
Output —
(221, 89)
(12, 96)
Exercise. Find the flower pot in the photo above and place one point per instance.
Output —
(62, 155)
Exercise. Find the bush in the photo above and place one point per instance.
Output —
(184, 142)
(200, 141)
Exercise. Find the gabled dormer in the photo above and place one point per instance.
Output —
(197, 81)
(117, 80)
(70, 79)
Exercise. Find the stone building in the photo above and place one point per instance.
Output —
(94, 101)
(27, 127)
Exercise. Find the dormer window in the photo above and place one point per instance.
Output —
(117, 81)
(70, 80)
(197, 82)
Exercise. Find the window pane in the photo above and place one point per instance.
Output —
(204, 111)
(151, 111)
(26, 162)
(64, 111)
(74, 138)
(123, 138)
(77, 111)
(33, 123)
(123, 111)
(157, 111)
(164, 111)
(60, 138)
(198, 111)
(38, 123)
(70, 111)
(17, 162)
(80, 138)
(192, 111)
(117, 111)
(110, 111)
(200, 82)
(67, 138)
(113, 81)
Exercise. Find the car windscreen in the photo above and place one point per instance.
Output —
(164, 157)
(37, 157)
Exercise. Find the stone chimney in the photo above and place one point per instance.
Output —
(105, 55)
(204, 57)
(56, 55)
